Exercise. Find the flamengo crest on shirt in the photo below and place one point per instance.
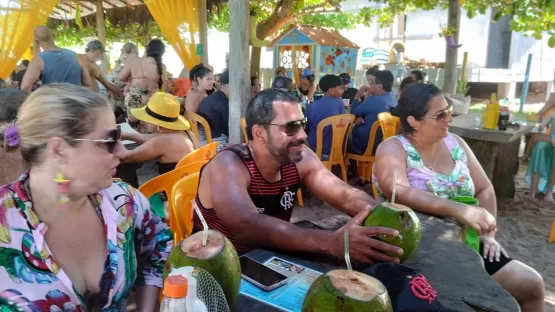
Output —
(287, 200)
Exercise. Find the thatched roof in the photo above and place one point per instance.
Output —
(118, 12)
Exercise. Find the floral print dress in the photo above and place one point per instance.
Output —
(458, 183)
(30, 278)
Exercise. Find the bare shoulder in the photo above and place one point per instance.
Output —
(389, 147)
(227, 164)
(310, 163)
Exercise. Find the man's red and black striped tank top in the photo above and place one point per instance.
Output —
(272, 199)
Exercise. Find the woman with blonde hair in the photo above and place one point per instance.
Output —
(71, 237)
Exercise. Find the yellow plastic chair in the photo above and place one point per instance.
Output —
(183, 192)
(552, 236)
(195, 119)
(244, 129)
(366, 160)
(300, 202)
(204, 153)
(166, 181)
(390, 124)
(341, 128)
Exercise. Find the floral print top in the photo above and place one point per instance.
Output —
(458, 183)
(31, 280)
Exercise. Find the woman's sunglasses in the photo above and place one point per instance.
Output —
(293, 127)
(110, 142)
(443, 114)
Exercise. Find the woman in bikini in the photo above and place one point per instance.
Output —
(148, 75)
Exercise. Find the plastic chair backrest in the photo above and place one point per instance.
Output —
(195, 119)
(390, 124)
(183, 192)
(204, 153)
(244, 129)
(341, 126)
(372, 139)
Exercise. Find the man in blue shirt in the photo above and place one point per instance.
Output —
(330, 105)
(367, 113)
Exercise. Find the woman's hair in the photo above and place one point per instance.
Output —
(156, 49)
(405, 82)
(129, 48)
(419, 75)
(56, 110)
(414, 102)
(10, 101)
(198, 71)
(310, 78)
(281, 69)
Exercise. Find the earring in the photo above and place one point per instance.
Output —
(62, 188)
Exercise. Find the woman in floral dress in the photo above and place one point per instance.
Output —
(71, 238)
(148, 75)
(432, 166)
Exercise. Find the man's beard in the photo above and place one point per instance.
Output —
(282, 154)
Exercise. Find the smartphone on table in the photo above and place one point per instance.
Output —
(261, 275)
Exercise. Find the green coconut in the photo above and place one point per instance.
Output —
(342, 290)
(402, 219)
(218, 257)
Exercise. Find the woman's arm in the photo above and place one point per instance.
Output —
(391, 157)
(548, 105)
(144, 152)
(136, 137)
(311, 91)
(153, 243)
(484, 189)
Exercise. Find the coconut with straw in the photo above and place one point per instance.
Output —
(212, 251)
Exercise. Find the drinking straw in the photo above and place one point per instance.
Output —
(394, 187)
(347, 256)
(204, 225)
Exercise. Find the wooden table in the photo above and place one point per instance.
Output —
(128, 172)
(497, 151)
(453, 269)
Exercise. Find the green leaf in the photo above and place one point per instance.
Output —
(498, 16)
(551, 41)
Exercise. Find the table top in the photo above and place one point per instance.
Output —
(453, 269)
(462, 126)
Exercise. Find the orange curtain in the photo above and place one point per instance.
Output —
(18, 20)
(178, 21)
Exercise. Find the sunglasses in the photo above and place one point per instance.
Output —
(110, 142)
(293, 127)
(442, 115)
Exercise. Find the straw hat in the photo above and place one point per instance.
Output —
(162, 110)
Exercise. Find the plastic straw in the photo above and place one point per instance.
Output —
(394, 187)
(347, 256)
(204, 225)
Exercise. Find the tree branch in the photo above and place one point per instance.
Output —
(325, 7)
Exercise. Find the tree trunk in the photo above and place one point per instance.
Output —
(203, 30)
(238, 65)
(255, 61)
(451, 74)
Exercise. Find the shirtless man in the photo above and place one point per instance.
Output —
(94, 53)
(247, 191)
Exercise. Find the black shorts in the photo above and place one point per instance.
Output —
(493, 267)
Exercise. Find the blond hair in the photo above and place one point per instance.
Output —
(56, 110)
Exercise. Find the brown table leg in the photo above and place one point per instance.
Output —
(500, 162)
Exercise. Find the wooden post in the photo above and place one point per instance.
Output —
(101, 30)
(238, 65)
(464, 64)
(453, 21)
(203, 30)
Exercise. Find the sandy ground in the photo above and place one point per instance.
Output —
(524, 226)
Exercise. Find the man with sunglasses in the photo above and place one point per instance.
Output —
(247, 191)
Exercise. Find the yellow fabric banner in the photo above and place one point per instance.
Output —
(18, 20)
(178, 21)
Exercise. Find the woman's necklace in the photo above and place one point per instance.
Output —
(431, 167)
(252, 153)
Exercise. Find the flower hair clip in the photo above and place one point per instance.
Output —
(11, 137)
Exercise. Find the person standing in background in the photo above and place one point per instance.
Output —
(349, 93)
(54, 64)
(94, 53)
(22, 68)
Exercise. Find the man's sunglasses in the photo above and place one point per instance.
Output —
(110, 142)
(291, 128)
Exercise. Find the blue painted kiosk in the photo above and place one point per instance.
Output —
(320, 49)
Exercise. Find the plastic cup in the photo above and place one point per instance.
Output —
(469, 235)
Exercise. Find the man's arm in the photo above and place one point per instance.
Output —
(99, 75)
(144, 152)
(32, 74)
(238, 213)
(85, 77)
(329, 188)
